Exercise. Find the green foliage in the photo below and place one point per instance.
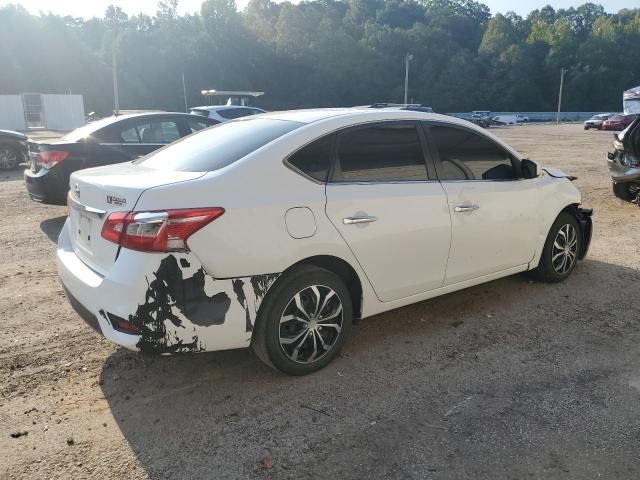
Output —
(328, 53)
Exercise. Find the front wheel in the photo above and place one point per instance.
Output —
(304, 321)
(561, 249)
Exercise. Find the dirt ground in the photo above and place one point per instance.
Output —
(512, 379)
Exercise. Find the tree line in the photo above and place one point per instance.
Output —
(329, 53)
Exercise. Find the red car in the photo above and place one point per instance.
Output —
(618, 122)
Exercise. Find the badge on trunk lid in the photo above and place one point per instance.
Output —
(116, 200)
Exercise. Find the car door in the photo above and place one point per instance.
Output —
(493, 209)
(391, 213)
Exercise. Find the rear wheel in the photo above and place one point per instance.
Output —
(10, 157)
(304, 321)
(561, 249)
(622, 190)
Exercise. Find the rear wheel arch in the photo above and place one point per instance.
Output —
(342, 269)
(338, 266)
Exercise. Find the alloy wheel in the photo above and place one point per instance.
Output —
(8, 159)
(565, 249)
(311, 324)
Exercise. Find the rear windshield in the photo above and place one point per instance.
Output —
(201, 112)
(88, 129)
(218, 146)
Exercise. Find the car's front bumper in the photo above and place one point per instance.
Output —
(166, 301)
(586, 230)
(620, 172)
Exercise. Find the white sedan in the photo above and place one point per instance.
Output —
(278, 230)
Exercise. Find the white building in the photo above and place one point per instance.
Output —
(41, 111)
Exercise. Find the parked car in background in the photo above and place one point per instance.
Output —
(618, 122)
(275, 230)
(110, 140)
(505, 119)
(521, 118)
(597, 120)
(624, 163)
(13, 149)
(481, 118)
(223, 113)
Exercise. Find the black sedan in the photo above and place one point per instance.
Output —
(111, 140)
(13, 149)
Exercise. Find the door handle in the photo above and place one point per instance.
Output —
(357, 220)
(466, 208)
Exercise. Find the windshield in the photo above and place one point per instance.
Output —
(219, 146)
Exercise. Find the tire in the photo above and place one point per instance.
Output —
(307, 286)
(551, 269)
(622, 191)
(586, 128)
(10, 157)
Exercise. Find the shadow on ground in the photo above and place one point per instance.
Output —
(511, 379)
(52, 227)
(12, 175)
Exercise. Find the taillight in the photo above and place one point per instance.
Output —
(49, 158)
(164, 231)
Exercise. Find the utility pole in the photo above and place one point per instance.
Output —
(562, 72)
(184, 94)
(116, 99)
(407, 59)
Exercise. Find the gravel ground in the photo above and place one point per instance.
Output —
(511, 379)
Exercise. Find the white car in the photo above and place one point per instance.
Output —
(224, 113)
(278, 230)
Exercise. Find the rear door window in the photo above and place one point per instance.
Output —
(380, 153)
(219, 146)
(196, 126)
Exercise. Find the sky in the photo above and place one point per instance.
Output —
(96, 8)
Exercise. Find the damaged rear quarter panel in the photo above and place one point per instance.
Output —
(183, 309)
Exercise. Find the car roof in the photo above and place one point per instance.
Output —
(215, 108)
(364, 114)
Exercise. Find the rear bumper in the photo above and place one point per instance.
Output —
(167, 302)
(46, 186)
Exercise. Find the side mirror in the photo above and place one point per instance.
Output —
(530, 168)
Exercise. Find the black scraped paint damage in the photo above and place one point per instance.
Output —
(260, 285)
(170, 289)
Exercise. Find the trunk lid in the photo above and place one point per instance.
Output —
(96, 192)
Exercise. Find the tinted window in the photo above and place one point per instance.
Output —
(94, 129)
(150, 131)
(196, 126)
(314, 158)
(130, 135)
(465, 155)
(231, 113)
(380, 153)
(218, 146)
